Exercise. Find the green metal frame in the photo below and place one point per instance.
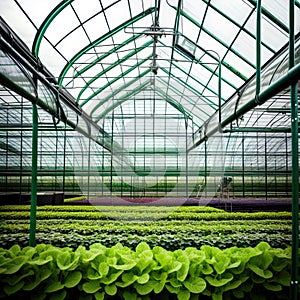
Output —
(41, 31)
(121, 88)
(33, 201)
(216, 38)
(103, 56)
(295, 159)
(100, 40)
(105, 149)
(132, 53)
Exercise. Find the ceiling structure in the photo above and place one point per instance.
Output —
(113, 55)
(190, 63)
(151, 79)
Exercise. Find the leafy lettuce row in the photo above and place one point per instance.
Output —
(117, 272)
(169, 241)
(114, 208)
(145, 216)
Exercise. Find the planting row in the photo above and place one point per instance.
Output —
(122, 209)
(171, 236)
(178, 230)
(146, 228)
(145, 216)
(168, 241)
(48, 272)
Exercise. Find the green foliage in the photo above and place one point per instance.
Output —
(157, 225)
(146, 214)
(145, 253)
(118, 272)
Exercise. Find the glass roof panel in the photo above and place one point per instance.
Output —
(219, 26)
(195, 9)
(237, 10)
(189, 29)
(98, 22)
(96, 46)
(88, 11)
(278, 8)
(242, 66)
(112, 11)
(271, 34)
(243, 43)
(72, 39)
(209, 43)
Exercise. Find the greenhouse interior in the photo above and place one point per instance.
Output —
(150, 104)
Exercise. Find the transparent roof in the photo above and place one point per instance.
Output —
(147, 71)
(110, 55)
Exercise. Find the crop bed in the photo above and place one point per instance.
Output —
(167, 227)
(144, 273)
(248, 204)
(143, 253)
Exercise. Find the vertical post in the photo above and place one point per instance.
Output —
(205, 167)
(64, 160)
(266, 167)
(186, 160)
(258, 46)
(286, 166)
(21, 147)
(295, 160)
(89, 170)
(103, 178)
(219, 92)
(111, 157)
(32, 232)
(251, 179)
(243, 165)
(6, 155)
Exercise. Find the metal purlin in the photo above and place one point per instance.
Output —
(99, 40)
(11, 44)
(293, 75)
(132, 53)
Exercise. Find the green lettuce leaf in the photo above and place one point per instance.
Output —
(195, 285)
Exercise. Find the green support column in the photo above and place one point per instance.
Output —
(258, 46)
(205, 167)
(295, 161)
(295, 193)
(220, 91)
(186, 160)
(32, 232)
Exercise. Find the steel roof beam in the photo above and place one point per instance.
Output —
(218, 40)
(100, 40)
(185, 98)
(132, 53)
(271, 17)
(237, 24)
(293, 75)
(121, 100)
(115, 92)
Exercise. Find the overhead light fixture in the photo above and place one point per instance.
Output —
(154, 69)
(186, 46)
(155, 31)
(152, 31)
